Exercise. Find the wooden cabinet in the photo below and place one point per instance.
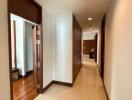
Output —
(77, 36)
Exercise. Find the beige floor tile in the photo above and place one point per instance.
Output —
(88, 86)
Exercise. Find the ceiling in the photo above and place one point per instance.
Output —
(83, 9)
(89, 35)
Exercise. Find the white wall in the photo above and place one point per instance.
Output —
(4, 56)
(118, 62)
(48, 46)
(57, 45)
(23, 43)
(63, 69)
(28, 47)
(20, 31)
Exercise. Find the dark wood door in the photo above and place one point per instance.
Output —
(102, 46)
(77, 41)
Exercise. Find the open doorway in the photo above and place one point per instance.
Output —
(25, 50)
(90, 46)
(31, 14)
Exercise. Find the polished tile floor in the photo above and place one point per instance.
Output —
(88, 86)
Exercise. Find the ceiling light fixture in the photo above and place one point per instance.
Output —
(90, 18)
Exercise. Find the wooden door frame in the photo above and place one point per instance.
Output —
(102, 46)
(96, 46)
(14, 27)
(19, 10)
(36, 55)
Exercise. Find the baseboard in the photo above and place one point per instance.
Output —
(62, 83)
(56, 82)
(27, 74)
(106, 91)
(44, 89)
(103, 83)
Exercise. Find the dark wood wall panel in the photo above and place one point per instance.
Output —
(77, 36)
(27, 9)
(87, 46)
(102, 46)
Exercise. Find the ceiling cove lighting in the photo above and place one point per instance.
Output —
(90, 18)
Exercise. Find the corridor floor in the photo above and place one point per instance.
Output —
(88, 86)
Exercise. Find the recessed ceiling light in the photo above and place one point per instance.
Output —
(90, 18)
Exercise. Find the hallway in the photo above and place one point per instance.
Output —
(88, 86)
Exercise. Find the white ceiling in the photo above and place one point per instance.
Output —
(89, 35)
(82, 10)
